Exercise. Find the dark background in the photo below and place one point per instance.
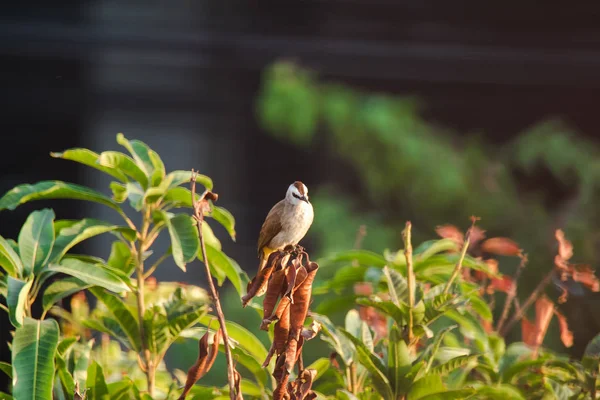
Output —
(183, 76)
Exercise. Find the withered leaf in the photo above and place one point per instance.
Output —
(206, 359)
(501, 246)
(565, 248)
(312, 331)
(566, 336)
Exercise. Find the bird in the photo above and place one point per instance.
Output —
(287, 222)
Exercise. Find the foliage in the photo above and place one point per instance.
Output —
(137, 318)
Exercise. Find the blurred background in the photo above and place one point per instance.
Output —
(388, 110)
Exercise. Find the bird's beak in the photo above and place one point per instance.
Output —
(304, 198)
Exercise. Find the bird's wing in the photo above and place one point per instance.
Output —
(271, 226)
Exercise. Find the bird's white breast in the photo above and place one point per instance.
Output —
(295, 221)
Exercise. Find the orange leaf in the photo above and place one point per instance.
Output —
(527, 332)
(544, 309)
(501, 246)
(503, 284)
(450, 232)
(206, 359)
(565, 248)
(566, 336)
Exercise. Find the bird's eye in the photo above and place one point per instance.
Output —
(296, 196)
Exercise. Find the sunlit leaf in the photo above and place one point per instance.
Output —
(46, 190)
(426, 386)
(227, 266)
(125, 164)
(33, 350)
(89, 158)
(91, 274)
(10, 260)
(122, 314)
(184, 238)
(60, 289)
(17, 298)
(225, 218)
(36, 239)
(180, 177)
(95, 383)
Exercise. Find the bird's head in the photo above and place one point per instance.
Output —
(297, 192)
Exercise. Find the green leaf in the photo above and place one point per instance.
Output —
(179, 197)
(374, 366)
(119, 191)
(426, 386)
(10, 260)
(73, 232)
(399, 363)
(60, 289)
(6, 368)
(139, 151)
(434, 347)
(320, 365)
(159, 168)
(209, 236)
(227, 266)
(91, 274)
(387, 307)
(125, 164)
(481, 307)
(339, 342)
(95, 383)
(453, 364)
(592, 350)
(65, 345)
(16, 299)
(122, 314)
(121, 258)
(500, 392)
(156, 329)
(46, 190)
(184, 238)
(33, 350)
(81, 360)
(180, 177)
(363, 257)
(451, 395)
(432, 247)
(225, 218)
(89, 158)
(36, 240)
(242, 336)
(66, 379)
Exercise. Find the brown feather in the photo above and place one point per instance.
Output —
(271, 227)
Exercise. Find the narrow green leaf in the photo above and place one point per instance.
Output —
(65, 345)
(33, 350)
(481, 307)
(125, 164)
(91, 274)
(139, 151)
(180, 177)
(225, 218)
(209, 236)
(121, 258)
(364, 257)
(400, 315)
(122, 314)
(95, 383)
(179, 197)
(500, 392)
(453, 364)
(60, 289)
(89, 158)
(10, 260)
(16, 300)
(374, 366)
(399, 364)
(339, 342)
(434, 347)
(218, 260)
(46, 190)
(391, 286)
(156, 328)
(320, 365)
(6, 368)
(432, 247)
(158, 174)
(66, 379)
(73, 232)
(36, 240)
(426, 386)
(242, 336)
(184, 238)
(81, 359)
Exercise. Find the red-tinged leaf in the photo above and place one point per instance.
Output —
(477, 235)
(527, 332)
(544, 309)
(565, 248)
(363, 288)
(501, 246)
(585, 275)
(503, 284)
(258, 285)
(206, 359)
(450, 232)
(566, 336)
(376, 320)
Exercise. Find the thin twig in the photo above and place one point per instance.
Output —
(463, 253)
(530, 300)
(151, 270)
(199, 216)
(411, 278)
(512, 293)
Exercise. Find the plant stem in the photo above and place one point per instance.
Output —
(150, 369)
(530, 300)
(458, 267)
(411, 278)
(199, 216)
(511, 294)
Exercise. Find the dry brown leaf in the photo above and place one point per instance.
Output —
(206, 359)
(566, 336)
(312, 331)
(501, 246)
